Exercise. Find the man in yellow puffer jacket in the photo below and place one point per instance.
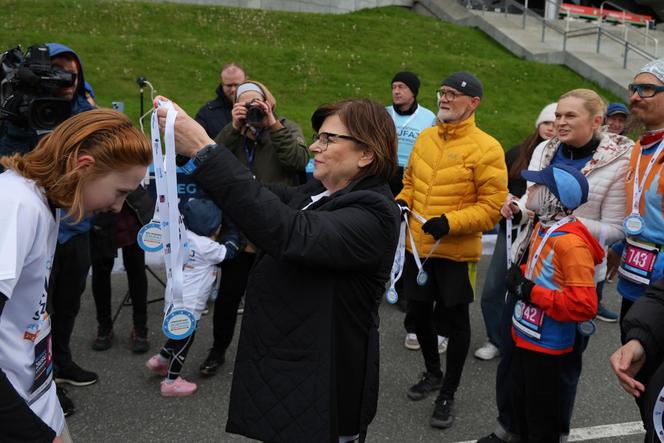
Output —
(455, 182)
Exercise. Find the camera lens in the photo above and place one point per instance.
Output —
(255, 115)
(47, 113)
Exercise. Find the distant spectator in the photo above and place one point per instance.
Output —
(409, 117)
(616, 116)
(273, 149)
(109, 232)
(493, 293)
(216, 114)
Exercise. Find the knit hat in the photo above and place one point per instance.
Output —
(616, 108)
(201, 216)
(466, 83)
(548, 114)
(565, 182)
(656, 68)
(409, 79)
(253, 85)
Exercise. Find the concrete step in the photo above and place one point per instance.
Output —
(578, 53)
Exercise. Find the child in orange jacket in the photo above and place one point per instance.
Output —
(556, 294)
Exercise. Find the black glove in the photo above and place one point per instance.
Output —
(232, 249)
(518, 285)
(437, 226)
(403, 206)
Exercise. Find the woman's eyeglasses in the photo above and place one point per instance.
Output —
(645, 90)
(323, 138)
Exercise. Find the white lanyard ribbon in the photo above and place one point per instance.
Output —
(173, 231)
(639, 186)
(394, 116)
(508, 241)
(397, 265)
(416, 256)
(533, 261)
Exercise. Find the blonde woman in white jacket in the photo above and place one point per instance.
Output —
(603, 158)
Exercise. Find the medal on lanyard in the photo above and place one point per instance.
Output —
(634, 223)
(179, 322)
(422, 275)
(391, 294)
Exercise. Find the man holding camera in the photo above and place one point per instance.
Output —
(72, 256)
(216, 114)
(275, 151)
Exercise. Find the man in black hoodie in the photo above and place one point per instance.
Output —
(216, 114)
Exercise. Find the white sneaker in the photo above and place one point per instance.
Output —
(442, 344)
(487, 352)
(411, 342)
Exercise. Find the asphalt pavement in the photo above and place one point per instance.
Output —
(125, 405)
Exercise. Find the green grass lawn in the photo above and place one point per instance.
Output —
(305, 59)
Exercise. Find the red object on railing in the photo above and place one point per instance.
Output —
(609, 14)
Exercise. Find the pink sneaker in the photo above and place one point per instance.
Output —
(157, 366)
(179, 388)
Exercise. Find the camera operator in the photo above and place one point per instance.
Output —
(216, 114)
(273, 148)
(72, 256)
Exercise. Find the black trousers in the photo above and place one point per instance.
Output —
(570, 373)
(536, 395)
(133, 258)
(624, 308)
(441, 307)
(66, 285)
(234, 276)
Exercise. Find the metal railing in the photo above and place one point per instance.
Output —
(627, 26)
(567, 34)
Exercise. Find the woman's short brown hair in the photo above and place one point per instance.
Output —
(369, 123)
(104, 134)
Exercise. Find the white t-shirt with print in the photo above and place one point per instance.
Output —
(200, 272)
(28, 235)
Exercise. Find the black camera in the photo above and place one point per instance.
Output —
(255, 114)
(28, 83)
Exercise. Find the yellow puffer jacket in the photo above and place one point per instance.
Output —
(457, 170)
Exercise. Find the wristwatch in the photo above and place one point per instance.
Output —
(202, 155)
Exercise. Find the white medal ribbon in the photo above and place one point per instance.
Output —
(508, 241)
(394, 116)
(639, 186)
(538, 251)
(397, 266)
(416, 256)
(174, 236)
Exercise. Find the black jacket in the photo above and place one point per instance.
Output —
(215, 114)
(645, 322)
(104, 226)
(307, 363)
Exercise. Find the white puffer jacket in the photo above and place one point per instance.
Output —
(604, 211)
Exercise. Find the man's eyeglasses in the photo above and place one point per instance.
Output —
(645, 90)
(324, 138)
(449, 95)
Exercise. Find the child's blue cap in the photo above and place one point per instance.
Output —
(565, 182)
(201, 216)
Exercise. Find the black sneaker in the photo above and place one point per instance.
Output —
(213, 361)
(428, 383)
(139, 341)
(65, 402)
(442, 413)
(493, 438)
(103, 339)
(75, 375)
